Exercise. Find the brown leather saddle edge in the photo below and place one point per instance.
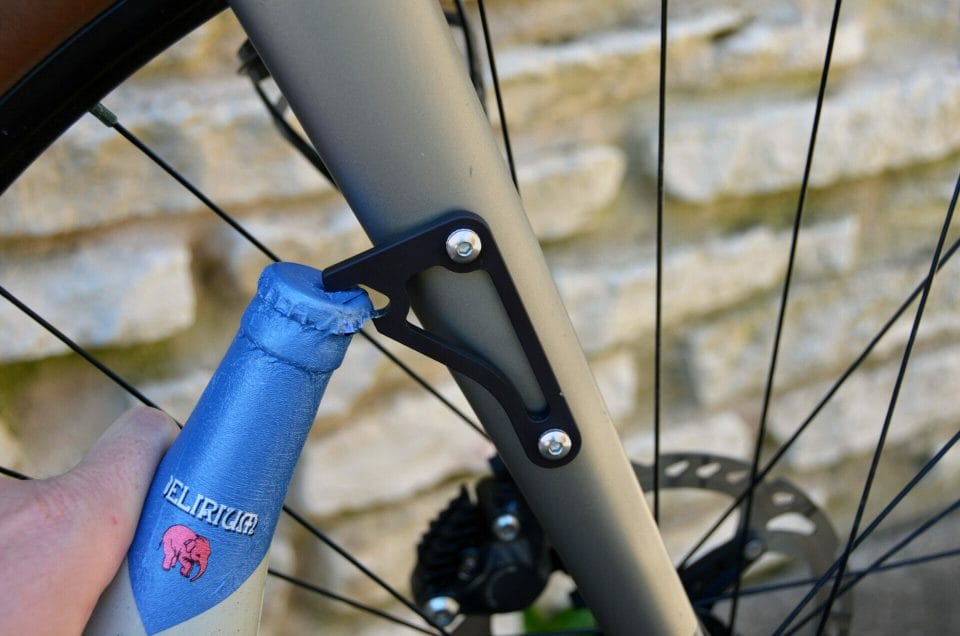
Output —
(31, 29)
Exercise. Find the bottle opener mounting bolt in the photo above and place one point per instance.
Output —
(555, 444)
(463, 246)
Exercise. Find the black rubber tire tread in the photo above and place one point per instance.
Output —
(81, 70)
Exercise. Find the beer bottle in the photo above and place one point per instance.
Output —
(198, 561)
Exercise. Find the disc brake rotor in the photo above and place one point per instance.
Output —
(784, 523)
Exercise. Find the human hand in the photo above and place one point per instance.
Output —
(63, 539)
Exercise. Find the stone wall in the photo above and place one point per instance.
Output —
(100, 242)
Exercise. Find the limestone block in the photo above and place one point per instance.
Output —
(58, 409)
(895, 20)
(402, 445)
(616, 376)
(866, 128)
(613, 302)
(315, 234)
(177, 396)
(725, 433)
(356, 375)
(773, 47)
(216, 133)
(850, 423)
(207, 51)
(711, 48)
(110, 291)
(382, 539)
(826, 249)
(527, 20)
(563, 193)
(546, 83)
(825, 330)
(11, 452)
(73, 185)
(721, 272)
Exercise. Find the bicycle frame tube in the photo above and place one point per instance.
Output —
(382, 93)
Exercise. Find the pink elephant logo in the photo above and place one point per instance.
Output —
(182, 544)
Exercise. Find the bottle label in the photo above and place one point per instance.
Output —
(193, 549)
(206, 509)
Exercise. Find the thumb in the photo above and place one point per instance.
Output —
(74, 530)
(77, 527)
(109, 485)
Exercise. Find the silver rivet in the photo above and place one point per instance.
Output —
(555, 444)
(753, 549)
(442, 610)
(506, 527)
(463, 246)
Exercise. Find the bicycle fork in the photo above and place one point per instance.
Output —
(382, 94)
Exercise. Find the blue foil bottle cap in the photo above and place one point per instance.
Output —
(295, 319)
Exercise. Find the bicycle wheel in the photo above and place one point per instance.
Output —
(715, 395)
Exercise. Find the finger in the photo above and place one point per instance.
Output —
(107, 489)
(111, 482)
(77, 527)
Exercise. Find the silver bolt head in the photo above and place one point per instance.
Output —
(555, 444)
(506, 527)
(442, 610)
(753, 549)
(463, 246)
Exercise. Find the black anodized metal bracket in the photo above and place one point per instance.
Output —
(389, 267)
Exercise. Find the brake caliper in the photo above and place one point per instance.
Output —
(486, 555)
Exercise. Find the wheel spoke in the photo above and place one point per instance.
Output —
(824, 608)
(788, 277)
(110, 120)
(82, 352)
(306, 585)
(841, 563)
(821, 580)
(658, 302)
(9, 472)
(872, 527)
(838, 383)
(874, 568)
(878, 451)
(370, 574)
(496, 89)
(473, 59)
(426, 386)
(855, 576)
